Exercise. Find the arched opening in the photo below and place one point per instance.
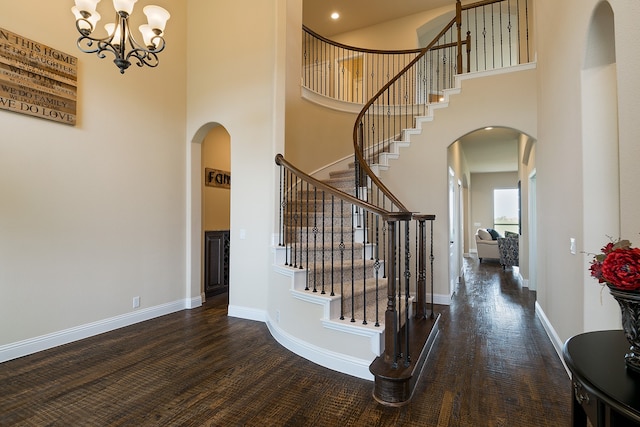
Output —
(600, 157)
(484, 161)
(209, 211)
(216, 210)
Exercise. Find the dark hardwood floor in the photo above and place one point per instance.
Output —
(492, 365)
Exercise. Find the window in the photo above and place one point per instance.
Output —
(506, 210)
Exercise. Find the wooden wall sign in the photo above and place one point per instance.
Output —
(216, 178)
(36, 79)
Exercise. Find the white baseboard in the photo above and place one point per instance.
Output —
(336, 361)
(247, 313)
(440, 299)
(54, 339)
(552, 334)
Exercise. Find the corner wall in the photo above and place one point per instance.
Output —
(93, 215)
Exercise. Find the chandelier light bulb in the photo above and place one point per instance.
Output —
(125, 6)
(86, 24)
(88, 6)
(157, 17)
(147, 36)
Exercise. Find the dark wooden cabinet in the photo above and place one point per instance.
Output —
(216, 262)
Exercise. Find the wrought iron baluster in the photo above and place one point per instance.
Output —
(288, 216)
(342, 247)
(324, 222)
(332, 246)
(376, 267)
(407, 277)
(364, 266)
(315, 240)
(431, 258)
(296, 240)
(353, 283)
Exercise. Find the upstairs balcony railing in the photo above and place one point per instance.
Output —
(481, 36)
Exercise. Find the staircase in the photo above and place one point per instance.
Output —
(329, 240)
(349, 237)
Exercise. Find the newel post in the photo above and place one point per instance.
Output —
(390, 315)
(421, 291)
(391, 318)
(459, 25)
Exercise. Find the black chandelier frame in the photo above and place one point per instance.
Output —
(140, 55)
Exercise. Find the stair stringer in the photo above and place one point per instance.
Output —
(302, 323)
(405, 142)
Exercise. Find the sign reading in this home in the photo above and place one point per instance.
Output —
(217, 178)
(36, 79)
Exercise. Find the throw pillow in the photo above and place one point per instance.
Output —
(484, 234)
(494, 234)
(510, 234)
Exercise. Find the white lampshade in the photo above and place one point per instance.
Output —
(93, 19)
(157, 17)
(124, 5)
(148, 35)
(117, 36)
(87, 5)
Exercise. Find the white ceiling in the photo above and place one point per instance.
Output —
(355, 14)
(493, 150)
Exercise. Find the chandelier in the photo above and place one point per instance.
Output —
(119, 39)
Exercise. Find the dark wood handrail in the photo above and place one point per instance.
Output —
(359, 155)
(281, 161)
(480, 4)
(360, 49)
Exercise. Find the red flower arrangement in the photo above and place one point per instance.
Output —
(618, 265)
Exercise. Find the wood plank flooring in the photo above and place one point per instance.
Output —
(492, 365)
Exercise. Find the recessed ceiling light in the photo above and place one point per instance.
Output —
(335, 15)
(488, 128)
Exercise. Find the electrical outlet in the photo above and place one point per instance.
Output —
(277, 316)
(572, 246)
(136, 302)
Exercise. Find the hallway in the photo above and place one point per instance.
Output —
(492, 365)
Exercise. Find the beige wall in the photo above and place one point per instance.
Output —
(489, 101)
(236, 79)
(216, 200)
(93, 215)
(562, 144)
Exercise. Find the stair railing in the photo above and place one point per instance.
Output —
(367, 263)
(324, 229)
(348, 73)
(488, 34)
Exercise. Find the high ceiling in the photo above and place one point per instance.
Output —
(492, 150)
(355, 14)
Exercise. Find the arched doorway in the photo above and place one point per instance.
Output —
(208, 206)
(485, 160)
(216, 210)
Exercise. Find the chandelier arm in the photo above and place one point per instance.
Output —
(144, 57)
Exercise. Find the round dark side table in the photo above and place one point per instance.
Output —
(604, 390)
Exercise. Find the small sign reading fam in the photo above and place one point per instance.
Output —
(36, 79)
(216, 178)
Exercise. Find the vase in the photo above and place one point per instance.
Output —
(629, 302)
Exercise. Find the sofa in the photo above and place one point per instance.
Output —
(486, 244)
